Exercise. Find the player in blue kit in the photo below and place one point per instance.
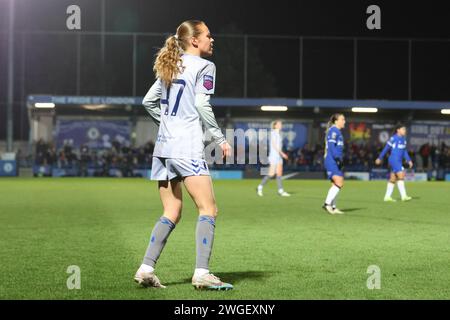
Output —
(334, 146)
(397, 146)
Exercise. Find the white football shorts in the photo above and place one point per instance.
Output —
(164, 169)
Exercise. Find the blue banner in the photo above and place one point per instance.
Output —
(379, 174)
(432, 132)
(294, 134)
(64, 172)
(94, 134)
(226, 174)
(8, 168)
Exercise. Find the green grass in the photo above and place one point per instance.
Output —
(269, 248)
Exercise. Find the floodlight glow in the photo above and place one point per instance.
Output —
(94, 106)
(44, 105)
(274, 108)
(445, 111)
(370, 110)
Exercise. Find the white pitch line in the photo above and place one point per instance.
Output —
(289, 175)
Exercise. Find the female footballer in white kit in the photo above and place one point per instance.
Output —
(179, 103)
(276, 156)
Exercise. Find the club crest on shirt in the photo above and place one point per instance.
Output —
(208, 82)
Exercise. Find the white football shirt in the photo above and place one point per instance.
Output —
(275, 140)
(180, 132)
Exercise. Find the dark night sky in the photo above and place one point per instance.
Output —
(312, 17)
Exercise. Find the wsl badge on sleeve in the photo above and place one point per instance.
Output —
(208, 82)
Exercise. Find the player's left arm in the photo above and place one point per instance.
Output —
(208, 119)
(204, 88)
(204, 109)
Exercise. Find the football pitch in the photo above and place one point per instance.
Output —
(269, 247)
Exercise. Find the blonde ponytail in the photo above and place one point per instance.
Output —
(168, 61)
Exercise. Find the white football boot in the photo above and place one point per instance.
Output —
(210, 282)
(147, 279)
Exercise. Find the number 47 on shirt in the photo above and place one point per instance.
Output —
(182, 84)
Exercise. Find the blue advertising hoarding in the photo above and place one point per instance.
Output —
(295, 134)
(8, 168)
(92, 133)
(432, 132)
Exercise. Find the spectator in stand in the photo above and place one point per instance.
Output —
(301, 160)
(434, 153)
(41, 151)
(359, 157)
(85, 159)
(444, 158)
(425, 154)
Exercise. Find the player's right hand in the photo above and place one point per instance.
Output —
(284, 155)
(378, 162)
(226, 149)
